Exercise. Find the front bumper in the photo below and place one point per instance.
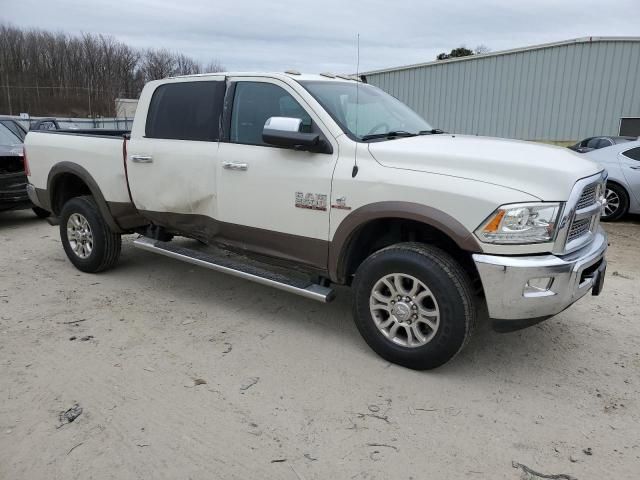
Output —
(505, 280)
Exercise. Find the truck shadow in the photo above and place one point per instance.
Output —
(18, 218)
(486, 353)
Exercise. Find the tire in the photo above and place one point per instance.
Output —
(41, 212)
(615, 193)
(447, 291)
(101, 247)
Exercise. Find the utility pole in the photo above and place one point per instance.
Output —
(6, 77)
(89, 90)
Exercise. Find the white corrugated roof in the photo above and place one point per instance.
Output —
(507, 52)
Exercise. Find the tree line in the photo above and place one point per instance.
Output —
(463, 52)
(56, 74)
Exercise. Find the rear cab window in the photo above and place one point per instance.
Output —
(186, 111)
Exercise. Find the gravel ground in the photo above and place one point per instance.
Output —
(185, 373)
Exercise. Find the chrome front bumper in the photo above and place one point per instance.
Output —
(505, 280)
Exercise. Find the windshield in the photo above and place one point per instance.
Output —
(7, 137)
(375, 112)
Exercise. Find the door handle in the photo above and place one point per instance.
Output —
(235, 166)
(141, 158)
(635, 168)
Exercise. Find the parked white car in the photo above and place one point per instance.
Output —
(622, 162)
(310, 180)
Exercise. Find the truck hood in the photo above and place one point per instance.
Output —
(544, 171)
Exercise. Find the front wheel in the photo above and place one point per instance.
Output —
(617, 202)
(87, 239)
(413, 305)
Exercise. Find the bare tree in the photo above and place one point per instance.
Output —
(214, 66)
(46, 73)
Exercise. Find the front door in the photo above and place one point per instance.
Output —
(171, 158)
(273, 200)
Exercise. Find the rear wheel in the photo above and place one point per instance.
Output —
(413, 305)
(617, 202)
(87, 240)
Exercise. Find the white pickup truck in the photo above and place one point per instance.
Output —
(304, 181)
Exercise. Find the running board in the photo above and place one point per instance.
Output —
(227, 264)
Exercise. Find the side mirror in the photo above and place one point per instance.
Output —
(285, 132)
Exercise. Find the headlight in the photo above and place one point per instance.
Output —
(521, 223)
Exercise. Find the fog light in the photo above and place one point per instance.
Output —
(538, 285)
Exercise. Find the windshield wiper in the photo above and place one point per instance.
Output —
(433, 131)
(392, 134)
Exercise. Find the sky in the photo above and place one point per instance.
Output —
(320, 35)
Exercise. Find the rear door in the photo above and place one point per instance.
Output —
(172, 153)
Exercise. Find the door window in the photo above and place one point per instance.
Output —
(604, 142)
(593, 143)
(633, 154)
(186, 111)
(254, 103)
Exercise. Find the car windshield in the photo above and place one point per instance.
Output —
(363, 110)
(7, 137)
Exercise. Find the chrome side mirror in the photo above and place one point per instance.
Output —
(283, 124)
(285, 132)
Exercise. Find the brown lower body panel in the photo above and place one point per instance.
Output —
(309, 252)
(126, 215)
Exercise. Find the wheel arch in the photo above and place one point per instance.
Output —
(381, 224)
(68, 180)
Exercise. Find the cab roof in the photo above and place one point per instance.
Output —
(281, 75)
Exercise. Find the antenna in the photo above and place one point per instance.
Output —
(354, 171)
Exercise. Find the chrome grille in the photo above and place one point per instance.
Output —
(581, 215)
(579, 228)
(588, 197)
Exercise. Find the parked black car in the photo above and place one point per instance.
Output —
(13, 178)
(594, 143)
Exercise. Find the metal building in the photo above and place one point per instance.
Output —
(558, 92)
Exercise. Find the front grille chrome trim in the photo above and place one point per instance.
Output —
(584, 195)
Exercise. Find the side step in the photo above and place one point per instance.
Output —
(227, 264)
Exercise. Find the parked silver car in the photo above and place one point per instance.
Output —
(622, 161)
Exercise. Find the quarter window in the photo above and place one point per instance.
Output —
(633, 154)
(254, 103)
(186, 111)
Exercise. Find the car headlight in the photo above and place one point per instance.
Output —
(521, 223)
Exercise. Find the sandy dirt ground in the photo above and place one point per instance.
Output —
(185, 373)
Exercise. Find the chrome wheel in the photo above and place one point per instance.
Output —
(404, 310)
(79, 235)
(612, 202)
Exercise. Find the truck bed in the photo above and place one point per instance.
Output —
(91, 132)
(98, 152)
